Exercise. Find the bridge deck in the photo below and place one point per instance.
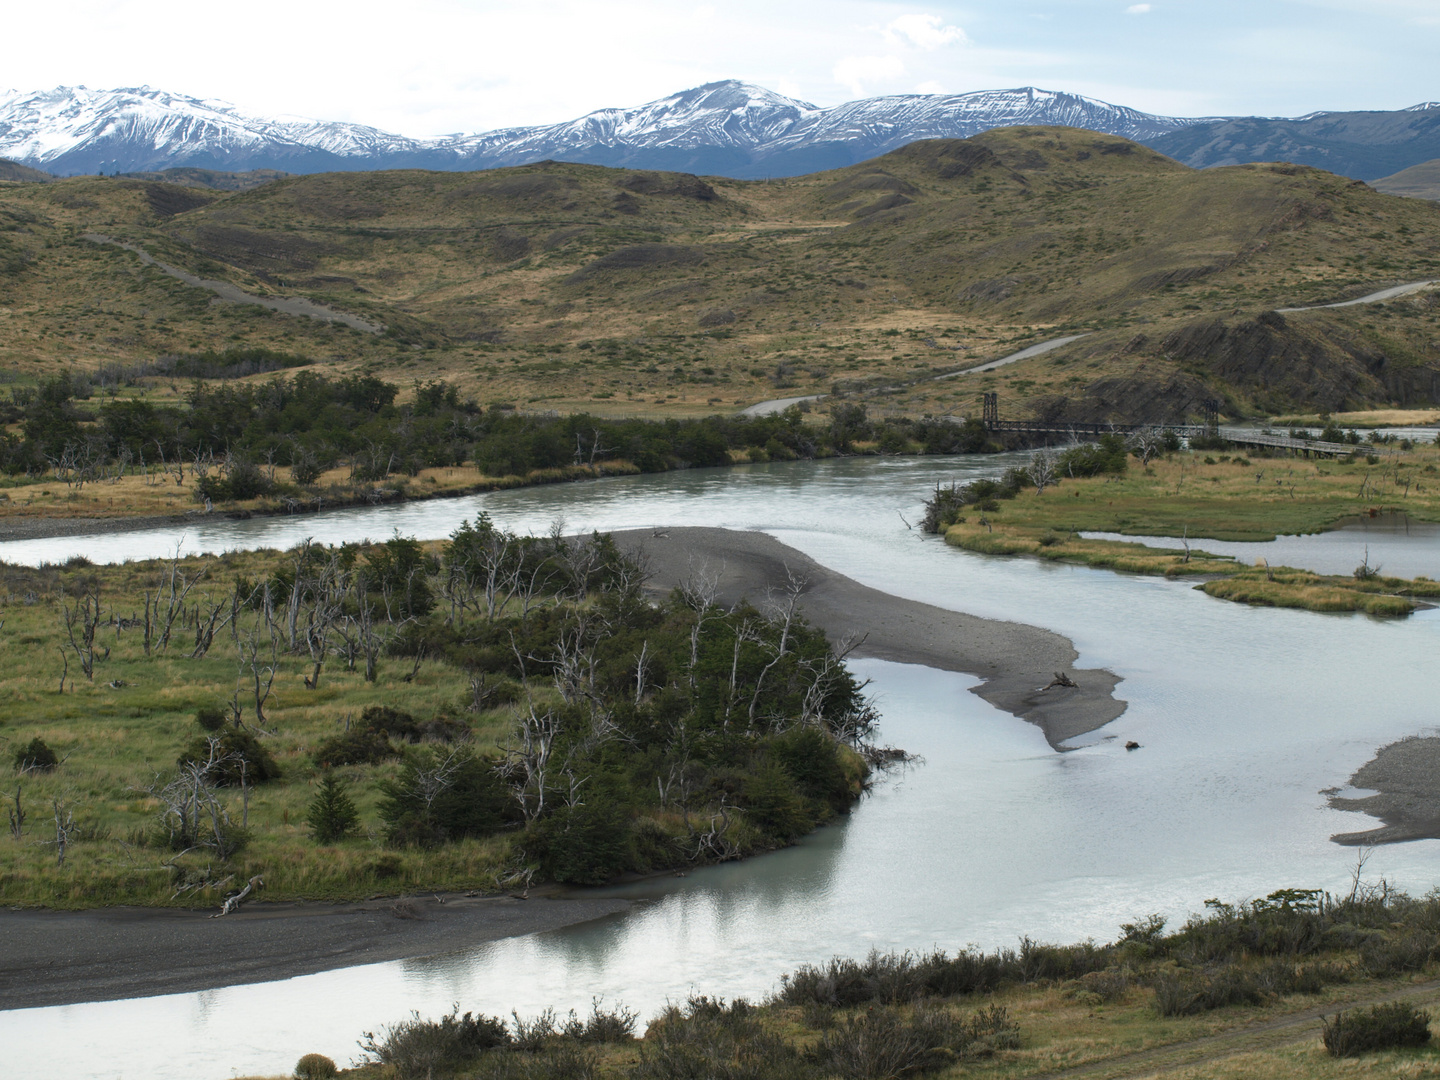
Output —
(1240, 435)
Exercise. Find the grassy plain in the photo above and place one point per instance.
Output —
(120, 731)
(1223, 497)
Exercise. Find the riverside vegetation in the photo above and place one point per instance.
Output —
(1042, 508)
(349, 439)
(1336, 976)
(389, 717)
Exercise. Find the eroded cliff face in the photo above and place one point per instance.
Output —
(1321, 361)
(1272, 362)
(1160, 397)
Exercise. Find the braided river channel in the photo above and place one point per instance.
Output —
(1243, 714)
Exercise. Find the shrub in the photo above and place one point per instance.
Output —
(707, 1039)
(315, 1067)
(883, 1042)
(1383, 957)
(390, 721)
(37, 757)
(210, 717)
(332, 815)
(358, 746)
(472, 799)
(587, 844)
(773, 806)
(237, 755)
(601, 1026)
(416, 1048)
(1092, 459)
(812, 760)
(1384, 1027)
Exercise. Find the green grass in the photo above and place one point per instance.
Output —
(1229, 499)
(114, 741)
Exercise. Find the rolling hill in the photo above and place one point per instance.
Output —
(571, 286)
(1417, 182)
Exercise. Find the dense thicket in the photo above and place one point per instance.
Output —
(646, 735)
(310, 422)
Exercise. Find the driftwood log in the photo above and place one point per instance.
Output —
(1061, 679)
(232, 903)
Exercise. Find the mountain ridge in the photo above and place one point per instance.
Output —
(726, 127)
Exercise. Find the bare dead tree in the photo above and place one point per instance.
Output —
(83, 617)
(529, 762)
(824, 675)
(1147, 443)
(698, 592)
(785, 612)
(431, 781)
(1041, 470)
(262, 659)
(191, 810)
(207, 627)
(642, 671)
(175, 588)
(17, 815)
(64, 829)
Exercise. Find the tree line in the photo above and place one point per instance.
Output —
(235, 435)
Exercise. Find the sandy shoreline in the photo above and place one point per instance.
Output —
(65, 957)
(1406, 778)
(1014, 659)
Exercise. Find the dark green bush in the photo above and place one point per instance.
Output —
(1384, 1027)
(706, 1038)
(358, 746)
(315, 1067)
(773, 806)
(238, 757)
(37, 757)
(886, 1042)
(587, 844)
(210, 717)
(416, 1048)
(615, 1025)
(812, 760)
(1093, 459)
(332, 815)
(442, 796)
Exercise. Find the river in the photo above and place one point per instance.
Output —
(1243, 716)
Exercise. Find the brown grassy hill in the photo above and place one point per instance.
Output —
(567, 286)
(211, 178)
(1417, 182)
(15, 173)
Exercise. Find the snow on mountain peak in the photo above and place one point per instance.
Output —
(76, 129)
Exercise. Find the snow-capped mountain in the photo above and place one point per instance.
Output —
(729, 128)
(72, 129)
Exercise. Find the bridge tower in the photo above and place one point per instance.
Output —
(991, 414)
(1211, 409)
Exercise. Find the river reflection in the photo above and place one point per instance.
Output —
(1394, 544)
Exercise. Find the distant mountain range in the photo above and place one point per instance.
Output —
(725, 128)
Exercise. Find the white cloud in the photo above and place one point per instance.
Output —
(858, 71)
(931, 86)
(1138, 9)
(927, 32)
(703, 13)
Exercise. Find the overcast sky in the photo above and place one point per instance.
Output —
(430, 67)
